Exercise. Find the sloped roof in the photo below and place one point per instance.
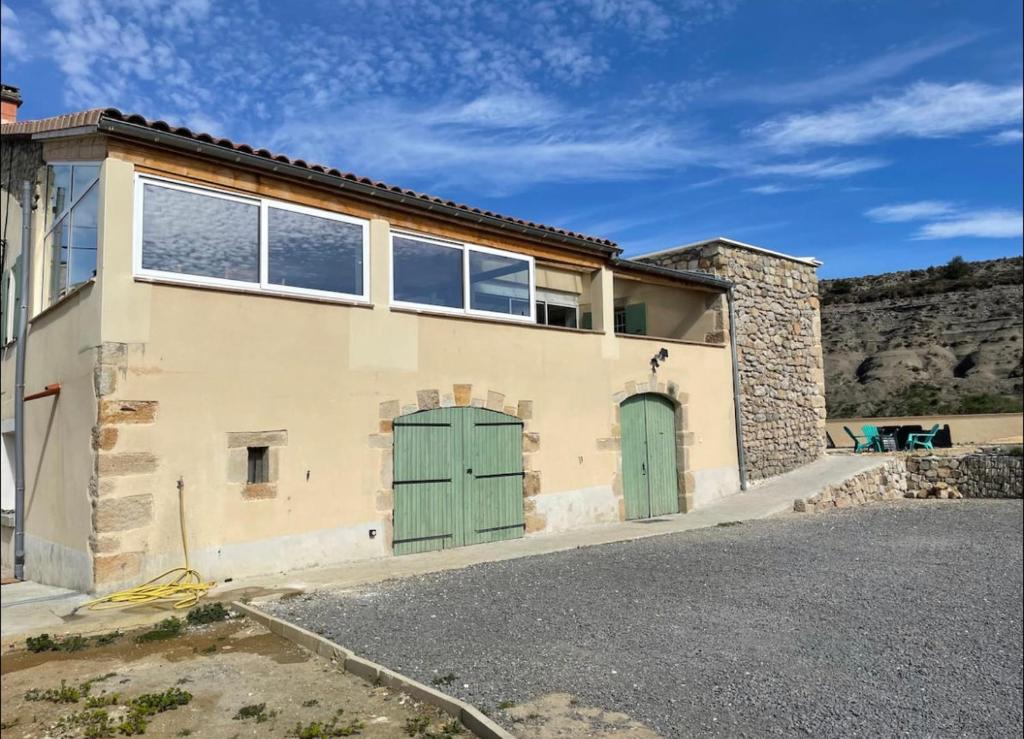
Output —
(116, 121)
(810, 261)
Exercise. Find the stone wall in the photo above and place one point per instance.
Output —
(970, 473)
(778, 341)
(885, 482)
(975, 474)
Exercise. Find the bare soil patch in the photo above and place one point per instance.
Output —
(240, 681)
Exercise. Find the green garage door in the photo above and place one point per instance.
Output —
(649, 480)
(458, 479)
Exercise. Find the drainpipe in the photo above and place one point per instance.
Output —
(741, 457)
(19, 382)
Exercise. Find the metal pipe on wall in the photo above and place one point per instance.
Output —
(741, 457)
(19, 380)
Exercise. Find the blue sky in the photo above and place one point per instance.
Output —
(874, 135)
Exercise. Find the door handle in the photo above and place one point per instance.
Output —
(469, 471)
(643, 468)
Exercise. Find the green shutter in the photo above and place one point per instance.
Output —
(3, 308)
(636, 319)
(587, 320)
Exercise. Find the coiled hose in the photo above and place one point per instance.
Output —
(184, 588)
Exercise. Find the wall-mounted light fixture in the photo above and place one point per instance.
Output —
(658, 358)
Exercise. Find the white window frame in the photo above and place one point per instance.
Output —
(52, 299)
(466, 248)
(263, 205)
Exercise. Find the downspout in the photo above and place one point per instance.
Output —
(741, 457)
(19, 381)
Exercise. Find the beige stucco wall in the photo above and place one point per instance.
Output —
(212, 363)
(58, 456)
(966, 429)
(672, 312)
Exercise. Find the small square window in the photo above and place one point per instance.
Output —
(259, 465)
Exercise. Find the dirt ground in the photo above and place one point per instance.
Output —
(225, 667)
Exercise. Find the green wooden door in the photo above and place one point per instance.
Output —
(426, 480)
(458, 479)
(649, 479)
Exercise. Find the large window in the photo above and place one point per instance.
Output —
(452, 277)
(72, 212)
(198, 236)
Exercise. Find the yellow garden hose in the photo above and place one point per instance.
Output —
(184, 588)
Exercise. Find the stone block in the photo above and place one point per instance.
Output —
(127, 411)
(389, 410)
(495, 400)
(531, 484)
(428, 399)
(531, 441)
(525, 410)
(463, 394)
(112, 568)
(104, 438)
(259, 491)
(240, 439)
(126, 463)
(122, 514)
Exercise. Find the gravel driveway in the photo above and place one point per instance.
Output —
(900, 618)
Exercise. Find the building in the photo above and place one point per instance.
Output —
(327, 367)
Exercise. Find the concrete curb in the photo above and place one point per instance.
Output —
(472, 718)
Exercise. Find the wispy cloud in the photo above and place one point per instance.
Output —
(1009, 136)
(12, 41)
(924, 110)
(947, 220)
(982, 224)
(496, 143)
(819, 169)
(916, 211)
(845, 79)
(774, 189)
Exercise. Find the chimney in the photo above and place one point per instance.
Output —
(10, 101)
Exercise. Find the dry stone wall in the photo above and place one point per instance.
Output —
(970, 473)
(778, 341)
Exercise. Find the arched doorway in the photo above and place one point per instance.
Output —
(458, 478)
(649, 478)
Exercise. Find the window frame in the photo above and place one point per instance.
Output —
(466, 310)
(51, 296)
(263, 205)
(549, 297)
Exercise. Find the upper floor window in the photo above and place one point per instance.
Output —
(453, 277)
(199, 236)
(72, 205)
(556, 308)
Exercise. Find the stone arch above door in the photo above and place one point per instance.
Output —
(460, 395)
(684, 437)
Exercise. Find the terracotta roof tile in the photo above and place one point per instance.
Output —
(93, 118)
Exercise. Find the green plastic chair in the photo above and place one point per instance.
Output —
(922, 440)
(863, 443)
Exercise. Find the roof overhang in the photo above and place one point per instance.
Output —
(701, 279)
(809, 261)
(364, 190)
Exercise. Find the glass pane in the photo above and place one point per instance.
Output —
(315, 253)
(561, 315)
(83, 238)
(57, 245)
(499, 284)
(539, 312)
(58, 195)
(83, 176)
(425, 273)
(192, 234)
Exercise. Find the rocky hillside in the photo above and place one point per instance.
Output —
(943, 340)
